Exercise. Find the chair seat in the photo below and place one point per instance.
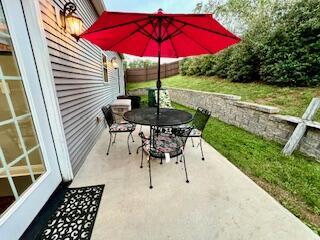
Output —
(195, 133)
(164, 144)
(122, 127)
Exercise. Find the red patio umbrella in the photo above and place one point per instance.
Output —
(159, 35)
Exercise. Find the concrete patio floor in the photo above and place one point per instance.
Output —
(220, 202)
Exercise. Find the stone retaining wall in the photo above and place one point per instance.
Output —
(258, 119)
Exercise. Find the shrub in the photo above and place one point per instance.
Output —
(244, 65)
(201, 65)
(291, 52)
(184, 65)
(222, 63)
(281, 47)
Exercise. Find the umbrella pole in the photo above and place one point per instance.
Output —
(158, 81)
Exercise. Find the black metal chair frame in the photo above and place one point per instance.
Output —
(199, 122)
(182, 133)
(110, 120)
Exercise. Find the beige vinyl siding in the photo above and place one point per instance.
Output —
(78, 76)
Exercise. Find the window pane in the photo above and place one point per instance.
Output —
(35, 158)
(9, 142)
(105, 68)
(18, 97)
(4, 106)
(8, 64)
(21, 176)
(28, 133)
(6, 195)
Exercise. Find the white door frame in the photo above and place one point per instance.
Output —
(40, 50)
(45, 112)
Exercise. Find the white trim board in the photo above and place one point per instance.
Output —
(41, 53)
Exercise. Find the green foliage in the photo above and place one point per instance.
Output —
(202, 65)
(244, 64)
(291, 52)
(222, 63)
(139, 63)
(280, 42)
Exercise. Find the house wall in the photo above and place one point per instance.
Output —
(78, 76)
(259, 119)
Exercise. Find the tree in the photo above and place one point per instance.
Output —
(139, 63)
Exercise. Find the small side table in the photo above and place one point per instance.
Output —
(119, 107)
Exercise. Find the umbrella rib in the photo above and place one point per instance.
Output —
(170, 36)
(127, 36)
(206, 29)
(175, 33)
(175, 51)
(144, 32)
(144, 49)
(165, 32)
(114, 26)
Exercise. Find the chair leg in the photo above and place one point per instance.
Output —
(141, 166)
(192, 142)
(110, 139)
(185, 168)
(150, 173)
(201, 149)
(114, 139)
(177, 158)
(139, 148)
(131, 137)
(160, 160)
(128, 144)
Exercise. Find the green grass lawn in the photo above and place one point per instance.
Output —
(294, 181)
(290, 100)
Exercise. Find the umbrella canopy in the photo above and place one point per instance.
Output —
(159, 34)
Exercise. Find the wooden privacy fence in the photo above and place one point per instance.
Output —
(151, 73)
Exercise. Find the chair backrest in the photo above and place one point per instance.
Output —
(177, 139)
(182, 133)
(200, 118)
(108, 115)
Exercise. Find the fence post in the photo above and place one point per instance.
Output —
(165, 70)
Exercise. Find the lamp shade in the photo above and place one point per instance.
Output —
(114, 63)
(73, 25)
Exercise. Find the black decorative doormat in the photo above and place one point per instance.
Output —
(75, 217)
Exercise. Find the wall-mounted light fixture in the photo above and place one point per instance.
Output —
(70, 21)
(115, 65)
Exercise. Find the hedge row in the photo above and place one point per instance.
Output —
(286, 53)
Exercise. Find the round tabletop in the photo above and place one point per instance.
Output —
(148, 116)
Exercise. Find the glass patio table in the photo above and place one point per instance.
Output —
(167, 117)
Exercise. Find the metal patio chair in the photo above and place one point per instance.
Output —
(115, 127)
(198, 124)
(164, 143)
